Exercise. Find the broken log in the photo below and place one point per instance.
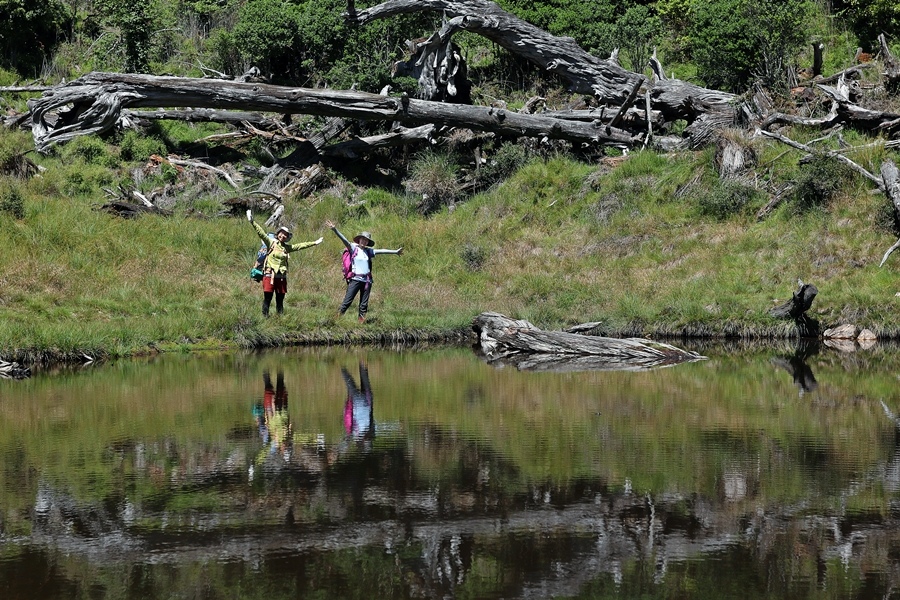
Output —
(800, 302)
(795, 309)
(521, 344)
(891, 66)
(92, 104)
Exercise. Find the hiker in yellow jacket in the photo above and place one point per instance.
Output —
(275, 267)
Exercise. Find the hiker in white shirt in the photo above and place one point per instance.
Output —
(359, 279)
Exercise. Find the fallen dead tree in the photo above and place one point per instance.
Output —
(521, 344)
(93, 103)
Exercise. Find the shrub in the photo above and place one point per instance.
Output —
(474, 256)
(727, 199)
(89, 149)
(136, 146)
(433, 176)
(11, 200)
(819, 182)
(508, 159)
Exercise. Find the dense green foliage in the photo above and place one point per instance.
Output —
(727, 43)
(30, 31)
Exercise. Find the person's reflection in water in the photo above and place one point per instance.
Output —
(272, 418)
(359, 414)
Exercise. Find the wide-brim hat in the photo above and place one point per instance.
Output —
(364, 234)
(284, 229)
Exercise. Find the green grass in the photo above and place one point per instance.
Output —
(558, 243)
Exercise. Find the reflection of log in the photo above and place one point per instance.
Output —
(522, 344)
(13, 370)
(797, 366)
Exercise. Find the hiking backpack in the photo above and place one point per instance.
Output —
(347, 263)
(256, 271)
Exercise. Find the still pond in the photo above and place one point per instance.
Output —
(427, 473)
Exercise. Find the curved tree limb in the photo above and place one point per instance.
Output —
(584, 72)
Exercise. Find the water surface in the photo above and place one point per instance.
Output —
(335, 473)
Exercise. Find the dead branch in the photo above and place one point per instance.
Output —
(836, 155)
(200, 165)
(201, 115)
(401, 137)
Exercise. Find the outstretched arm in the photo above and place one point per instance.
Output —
(301, 245)
(398, 251)
(330, 224)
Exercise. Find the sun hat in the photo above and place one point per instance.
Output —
(286, 230)
(364, 234)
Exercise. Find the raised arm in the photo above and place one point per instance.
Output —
(259, 230)
(330, 224)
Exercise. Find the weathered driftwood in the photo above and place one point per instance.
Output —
(97, 99)
(521, 344)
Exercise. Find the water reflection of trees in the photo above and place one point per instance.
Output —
(477, 531)
(433, 511)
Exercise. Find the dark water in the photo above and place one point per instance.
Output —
(430, 474)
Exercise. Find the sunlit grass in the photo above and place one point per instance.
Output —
(560, 242)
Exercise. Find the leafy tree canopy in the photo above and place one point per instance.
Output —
(29, 32)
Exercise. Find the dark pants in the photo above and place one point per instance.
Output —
(357, 287)
(267, 301)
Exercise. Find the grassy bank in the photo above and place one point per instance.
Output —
(646, 244)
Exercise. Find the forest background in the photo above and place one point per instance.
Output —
(648, 242)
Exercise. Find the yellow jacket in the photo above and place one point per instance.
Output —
(277, 259)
